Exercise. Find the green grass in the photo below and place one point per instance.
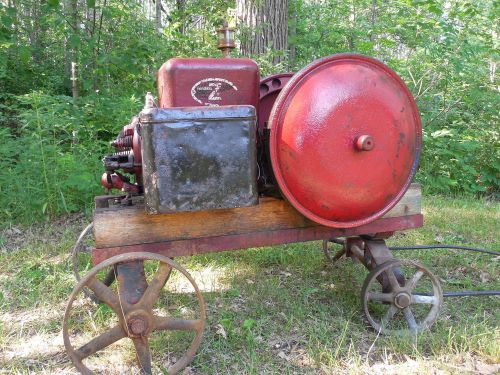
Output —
(270, 310)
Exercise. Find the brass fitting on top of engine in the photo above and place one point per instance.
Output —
(225, 39)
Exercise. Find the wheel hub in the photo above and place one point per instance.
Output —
(138, 323)
(402, 300)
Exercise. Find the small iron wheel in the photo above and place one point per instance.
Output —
(77, 258)
(328, 253)
(136, 321)
(412, 304)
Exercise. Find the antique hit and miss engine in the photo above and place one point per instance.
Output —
(225, 161)
(341, 145)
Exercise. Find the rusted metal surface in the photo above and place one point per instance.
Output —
(315, 124)
(126, 158)
(136, 320)
(257, 239)
(116, 200)
(199, 158)
(355, 248)
(376, 252)
(372, 253)
(333, 258)
(131, 281)
(80, 248)
(225, 39)
(118, 181)
(185, 82)
(400, 296)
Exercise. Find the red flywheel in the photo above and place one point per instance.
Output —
(345, 140)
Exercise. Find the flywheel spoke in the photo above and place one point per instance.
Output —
(106, 295)
(410, 318)
(414, 280)
(382, 297)
(176, 324)
(100, 342)
(155, 286)
(393, 281)
(141, 345)
(431, 300)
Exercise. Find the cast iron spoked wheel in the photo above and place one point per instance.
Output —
(401, 306)
(329, 256)
(147, 323)
(80, 257)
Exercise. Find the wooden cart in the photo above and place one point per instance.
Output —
(126, 236)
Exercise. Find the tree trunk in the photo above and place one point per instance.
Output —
(74, 50)
(293, 35)
(352, 19)
(181, 12)
(68, 55)
(74, 82)
(158, 16)
(263, 27)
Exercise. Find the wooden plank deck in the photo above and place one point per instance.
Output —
(273, 221)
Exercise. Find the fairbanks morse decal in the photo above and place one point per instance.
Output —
(210, 91)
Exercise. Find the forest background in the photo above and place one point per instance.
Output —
(53, 134)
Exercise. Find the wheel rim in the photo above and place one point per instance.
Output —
(135, 321)
(78, 249)
(406, 303)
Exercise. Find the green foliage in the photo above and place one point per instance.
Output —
(51, 163)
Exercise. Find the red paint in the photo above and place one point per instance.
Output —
(257, 239)
(315, 123)
(187, 82)
(269, 89)
(117, 181)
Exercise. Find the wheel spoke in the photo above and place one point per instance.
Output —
(393, 281)
(431, 300)
(410, 318)
(141, 345)
(155, 286)
(388, 316)
(414, 280)
(382, 297)
(106, 295)
(100, 342)
(176, 324)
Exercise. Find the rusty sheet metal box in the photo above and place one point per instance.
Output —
(184, 82)
(199, 158)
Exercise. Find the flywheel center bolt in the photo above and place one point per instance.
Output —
(402, 300)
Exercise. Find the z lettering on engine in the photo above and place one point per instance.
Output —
(209, 91)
